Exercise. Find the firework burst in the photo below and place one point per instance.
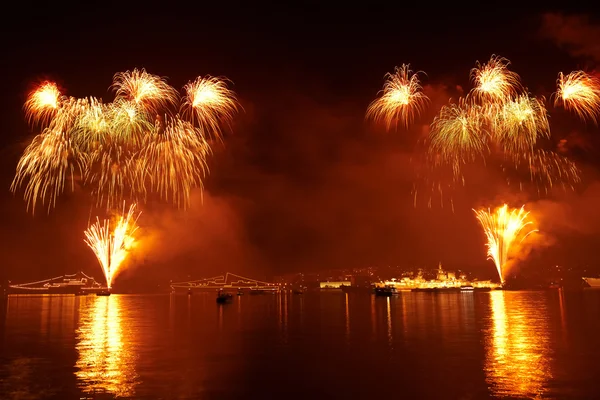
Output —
(579, 92)
(520, 122)
(401, 100)
(42, 103)
(111, 245)
(494, 81)
(209, 101)
(141, 143)
(504, 228)
(458, 134)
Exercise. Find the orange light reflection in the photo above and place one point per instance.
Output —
(106, 361)
(518, 346)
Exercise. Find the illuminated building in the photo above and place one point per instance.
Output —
(444, 280)
(334, 285)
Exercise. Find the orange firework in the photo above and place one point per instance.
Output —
(42, 103)
(211, 102)
(401, 100)
(519, 123)
(458, 134)
(112, 246)
(142, 88)
(111, 145)
(493, 80)
(503, 228)
(579, 92)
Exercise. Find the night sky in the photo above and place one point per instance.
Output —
(302, 182)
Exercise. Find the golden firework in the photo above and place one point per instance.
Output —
(401, 100)
(42, 103)
(144, 89)
(494, 81)
(111, 145)
(503, 229)
(209, 101)
(579, 92)
(458, 134)
(519, 123)
(111, 246)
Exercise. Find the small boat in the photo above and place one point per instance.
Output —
(103, 293)
(298, 291)
(240, 293)
(224, 298)
(385, 291)
(466, 288)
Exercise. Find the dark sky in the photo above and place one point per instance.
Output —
(303, 182)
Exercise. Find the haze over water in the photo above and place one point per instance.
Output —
(500, 344)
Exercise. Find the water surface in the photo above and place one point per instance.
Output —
(501, 344)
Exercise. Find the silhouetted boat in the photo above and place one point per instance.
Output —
(103, 293)
(385, 291)
(298, 291)
(467, 288)
(224, 298)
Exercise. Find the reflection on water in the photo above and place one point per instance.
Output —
(517, 345)
(389, 321)
(347, 316)
(106, 361)
(316, 345)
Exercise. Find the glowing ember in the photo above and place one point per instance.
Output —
(112, 246)
(503, 228)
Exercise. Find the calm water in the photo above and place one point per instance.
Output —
(328, 345)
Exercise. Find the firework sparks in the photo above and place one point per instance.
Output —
(494, 81)
(519, 124)
(579, 92)
(503, 229)
(42, 103)
(144, 89)
(402, 98)
(210, 102)
(458, 134)
(135, 146)
(112, 246)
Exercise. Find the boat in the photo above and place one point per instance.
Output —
(385, 291)
(467, 288)
(74, 284)
(103, 293)
(593, 282)
(224, 297)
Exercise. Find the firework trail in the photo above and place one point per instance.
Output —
(112, 244)
(402, 98)
(503, 229)
(579, 92)
(143, 142)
